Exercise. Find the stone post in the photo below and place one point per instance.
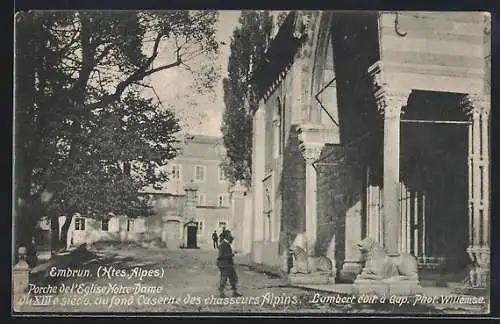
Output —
(238, 212)
(20, 278)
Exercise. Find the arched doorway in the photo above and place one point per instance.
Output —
(434, 179)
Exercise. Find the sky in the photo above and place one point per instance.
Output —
(172, 88)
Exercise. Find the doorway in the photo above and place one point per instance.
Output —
(192, 232)
(434, 175)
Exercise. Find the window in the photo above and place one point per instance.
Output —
(222, 174)
(80, 224)
(222, 224)
(222, 200)
(200, 226)
(199, 173)
(175, 171)
(105, 225)
(202, 199)
(130, 225)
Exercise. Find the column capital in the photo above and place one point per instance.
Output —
(311, 151)
(476, 104)
(389, 101)
(312, 138)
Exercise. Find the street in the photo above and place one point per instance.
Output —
(188, 284)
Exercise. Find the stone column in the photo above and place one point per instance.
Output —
(389, 103)
(478, 107)
(392, 103)
(238, 211)
(311, 154)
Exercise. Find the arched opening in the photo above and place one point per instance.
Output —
(434, 179)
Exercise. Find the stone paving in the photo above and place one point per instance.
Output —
(189, 284)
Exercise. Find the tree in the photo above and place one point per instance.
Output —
(248, 45)
(87, 138)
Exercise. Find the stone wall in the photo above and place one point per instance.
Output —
(340, 198)
(292, 186)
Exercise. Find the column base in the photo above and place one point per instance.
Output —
(350, 270)
(386, 287)
(314, 278)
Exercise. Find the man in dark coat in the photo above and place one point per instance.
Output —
(221, 235)
(215, 238)
(226, 265)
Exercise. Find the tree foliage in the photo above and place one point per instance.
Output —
(248, 45)
(85, 131)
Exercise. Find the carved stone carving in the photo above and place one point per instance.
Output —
(476, 104)
(389, 102)
(379, 266)
(311, 152)
(304, 264)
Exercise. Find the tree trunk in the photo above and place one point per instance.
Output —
(65, 228)
(54, 228)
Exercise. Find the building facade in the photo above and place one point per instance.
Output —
(374, 124)
(193, 204)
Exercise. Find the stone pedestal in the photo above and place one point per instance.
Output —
(386, 287)
(315, 278)
(350, 270)
(20, 279)
(352, 265)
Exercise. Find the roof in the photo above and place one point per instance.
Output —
(280, 54)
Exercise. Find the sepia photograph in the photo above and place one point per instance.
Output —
(257, 161)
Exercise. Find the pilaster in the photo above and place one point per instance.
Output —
(478, 106)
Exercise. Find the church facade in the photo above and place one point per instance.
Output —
(374, 124)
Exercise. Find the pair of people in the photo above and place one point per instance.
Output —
(216, 238)
(225, 264)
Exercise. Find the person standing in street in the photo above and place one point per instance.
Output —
(221, 235)
(215, 238)
(225, 264)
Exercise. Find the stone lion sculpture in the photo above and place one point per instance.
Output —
(380, 266)
(302, 263)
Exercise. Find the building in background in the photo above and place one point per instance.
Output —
(193, 203)
(200, 160)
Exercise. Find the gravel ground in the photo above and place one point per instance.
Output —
(189, 284)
